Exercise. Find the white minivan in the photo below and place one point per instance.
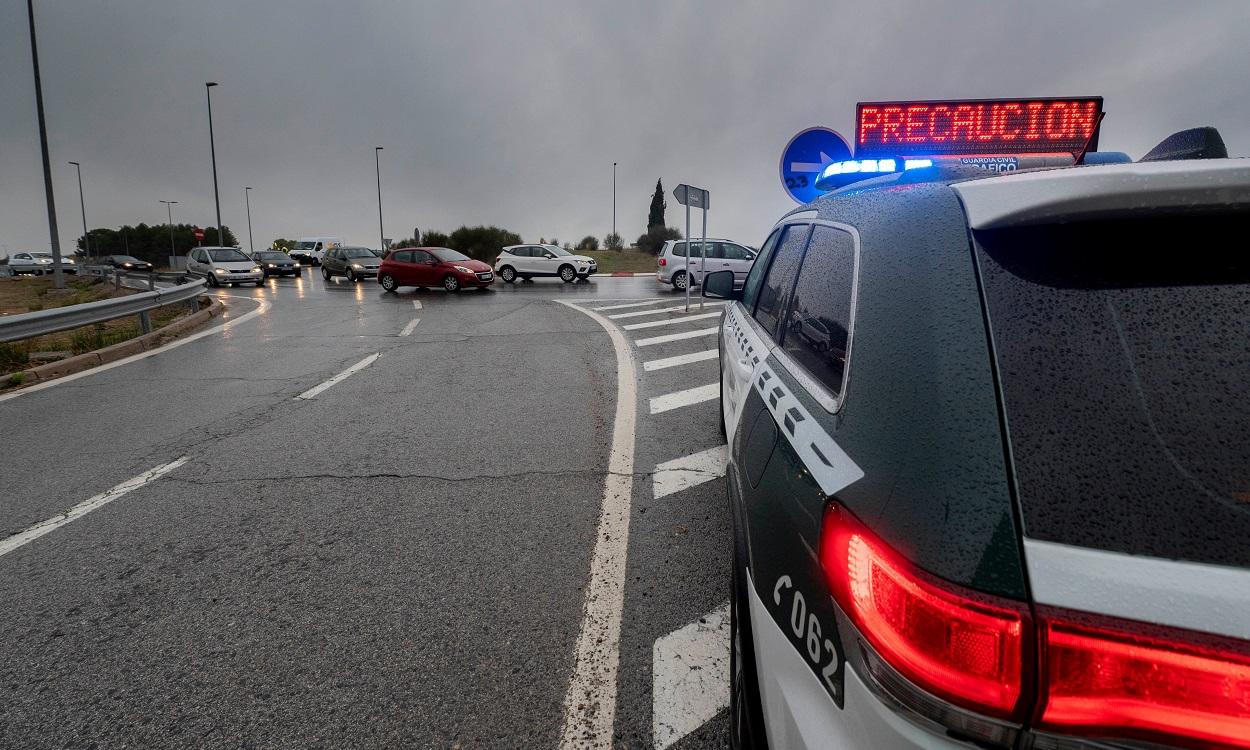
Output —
(716, 255)
(312, 250)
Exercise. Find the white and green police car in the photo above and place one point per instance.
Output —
(990, 466)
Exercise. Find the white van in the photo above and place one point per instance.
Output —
(312, 249)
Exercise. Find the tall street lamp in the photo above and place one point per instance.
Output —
(212, 144)
(173, 256)
(86, 238)
(247, 200)
(613, 197)
(57, 275)
(377, 162)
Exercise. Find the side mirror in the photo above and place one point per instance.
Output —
(720, 285)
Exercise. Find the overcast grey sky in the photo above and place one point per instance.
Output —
(511, 113)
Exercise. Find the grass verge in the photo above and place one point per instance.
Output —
(628, 261)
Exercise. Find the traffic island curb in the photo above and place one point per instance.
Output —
(211, 308)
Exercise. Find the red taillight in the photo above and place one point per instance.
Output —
(1107, 682)
(964, 647)
(663, 262)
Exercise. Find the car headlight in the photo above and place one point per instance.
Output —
(296, 266)
(462, 269)
(220, 270)
(128, 265)
(358, 267)
(272, 265)
(255, 269)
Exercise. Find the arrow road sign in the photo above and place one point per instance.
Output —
(805, 156)
(692, 196)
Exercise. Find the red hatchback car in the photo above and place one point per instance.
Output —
(433, 266)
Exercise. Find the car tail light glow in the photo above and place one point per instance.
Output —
(964, 647)
(1104, 681)
(663, 262)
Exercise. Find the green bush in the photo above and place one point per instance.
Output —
(589, 244)
(482, 243)
(654, 238)
(613, 242)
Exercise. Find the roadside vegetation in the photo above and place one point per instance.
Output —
(32, 294)
(624, 261)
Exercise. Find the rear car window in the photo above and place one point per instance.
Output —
(817, 330)
(780, 277)
(755, 278)
(1124, 359)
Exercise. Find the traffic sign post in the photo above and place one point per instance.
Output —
(805, 156)
(199, 236)
(699, 198)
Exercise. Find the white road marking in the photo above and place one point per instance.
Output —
(362, 364)
(690, 677)
(680, 359)
(19, 539)
(416, 303)
(590, 704)
(670, 401)
(676, 337)
(408, 328)
(657, 311)
(263, 307)
(689, 471)
(670, 321)
(632, 304)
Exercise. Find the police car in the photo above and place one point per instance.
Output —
(990, 474)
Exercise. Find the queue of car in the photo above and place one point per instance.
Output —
(987, 483)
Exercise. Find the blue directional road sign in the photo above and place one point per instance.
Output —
(805, 156)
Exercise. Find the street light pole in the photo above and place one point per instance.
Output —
(57, 275)
(377, 162)
(212, 144)
(613, 197)
(247, 199)
(173, 256)
(86, 238)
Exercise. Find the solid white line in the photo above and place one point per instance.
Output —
(657, 311)
(689, 471)
(362, 364)
(408, 328)
(19, 539)
(670, 321)
(690, 677)
(264, 306)
(590, 704)
(676, 337)
(416, 303)
(670, 401)
(632, 304)
(680, 359)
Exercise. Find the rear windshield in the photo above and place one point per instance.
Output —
(1124, 354)
(271, 256)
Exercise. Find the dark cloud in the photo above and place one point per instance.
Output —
(512, 113)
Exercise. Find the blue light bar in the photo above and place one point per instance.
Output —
(841, 173)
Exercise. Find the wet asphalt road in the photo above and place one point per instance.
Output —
(397, 562)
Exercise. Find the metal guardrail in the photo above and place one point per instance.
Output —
(29, 325)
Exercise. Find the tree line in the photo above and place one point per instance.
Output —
(150, 242)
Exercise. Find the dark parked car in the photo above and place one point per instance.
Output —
(355, 263)
(126, 263)
(433, 266)
(275, 263)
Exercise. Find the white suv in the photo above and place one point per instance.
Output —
(528, 261)
(717, 255)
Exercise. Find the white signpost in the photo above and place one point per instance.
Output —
(688, 196)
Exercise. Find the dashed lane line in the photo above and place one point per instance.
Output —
(416, 303)
(688, 397)
(690, 677)
(412, 324)
(657, 311)
(679, 360)
(22, 538)
(631, 304)
(670, 321)
(590, 704)
(689, 471)
(362, 364)
(676, 337)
